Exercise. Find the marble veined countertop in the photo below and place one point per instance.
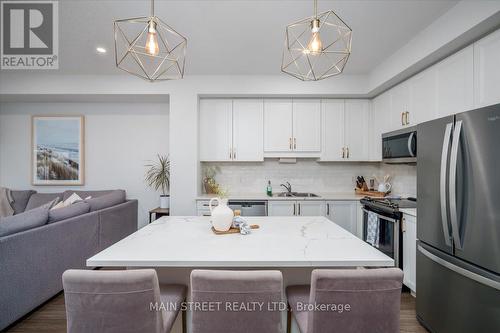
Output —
(279, 242)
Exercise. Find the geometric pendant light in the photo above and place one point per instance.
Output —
(149, 48)
(316, 47)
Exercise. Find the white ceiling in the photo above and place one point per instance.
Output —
(239, 37)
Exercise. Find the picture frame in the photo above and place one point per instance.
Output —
(58, 150)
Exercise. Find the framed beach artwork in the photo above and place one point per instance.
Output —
(58, 150)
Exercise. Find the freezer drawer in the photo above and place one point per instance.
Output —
(454, 296)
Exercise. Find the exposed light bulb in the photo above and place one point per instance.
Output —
(315, 44)
(152, 46)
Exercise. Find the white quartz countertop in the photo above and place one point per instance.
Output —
(279, 242)
(409, 211)
(349, 196)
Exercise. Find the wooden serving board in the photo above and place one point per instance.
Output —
(233, 230)
(375, 194)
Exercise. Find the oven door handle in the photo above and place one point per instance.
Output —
(390, 219)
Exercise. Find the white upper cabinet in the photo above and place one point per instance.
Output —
(357, 115)
(454, 83)
(345, 130)
(248, 130)
(379, 115)
(278, 125)
(487, 70)
(332, 119)
(292, 128)
(231, 130)
(216, 129)
(400, 98)
(306, 125)
(423, 97)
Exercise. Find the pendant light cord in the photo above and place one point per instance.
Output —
(316, 8)
(152, 7)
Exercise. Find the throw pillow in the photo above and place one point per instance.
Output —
(39, 199)
(24, 221)
(20, 200)
(70, 211)
(108, 200)
(70, 200)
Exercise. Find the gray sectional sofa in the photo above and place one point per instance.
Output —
(37, 244)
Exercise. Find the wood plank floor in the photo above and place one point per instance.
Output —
(51, 318)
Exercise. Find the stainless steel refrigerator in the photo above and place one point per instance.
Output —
(458, 223)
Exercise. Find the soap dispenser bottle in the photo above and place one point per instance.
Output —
(269, 189)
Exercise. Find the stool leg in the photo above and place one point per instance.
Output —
(184, 321)
(289, 319)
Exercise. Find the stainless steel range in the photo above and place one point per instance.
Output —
(389, 233)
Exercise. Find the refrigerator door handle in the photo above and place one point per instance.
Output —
(459, 270)
(442, 183)
(453, 185)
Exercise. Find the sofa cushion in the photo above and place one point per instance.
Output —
(113, 198)
(20, 200)
(85, 194)
(72, 210)
(39, 199)
(27, 220)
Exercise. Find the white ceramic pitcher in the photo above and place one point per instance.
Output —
(222, 215)
(384, 187)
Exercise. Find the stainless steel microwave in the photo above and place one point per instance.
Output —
(400, 146)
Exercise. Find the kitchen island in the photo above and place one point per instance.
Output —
(175, 245)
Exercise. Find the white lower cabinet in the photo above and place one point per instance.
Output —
(409, 251)
(343, 213)
(296, 208)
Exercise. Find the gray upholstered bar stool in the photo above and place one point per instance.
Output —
(120, 301)
(366, 301)
(236, 288)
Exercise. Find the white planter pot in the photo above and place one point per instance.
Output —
(164, 201)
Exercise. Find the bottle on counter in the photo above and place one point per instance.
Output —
(269, 189)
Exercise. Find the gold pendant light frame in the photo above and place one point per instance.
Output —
(131, 54)
(329, 56)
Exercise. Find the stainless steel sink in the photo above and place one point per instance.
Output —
(284, 194)
(306, 195)
(296, 195)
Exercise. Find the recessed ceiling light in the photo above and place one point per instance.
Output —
(101, 50)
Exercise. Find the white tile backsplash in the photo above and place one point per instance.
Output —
(311, 176)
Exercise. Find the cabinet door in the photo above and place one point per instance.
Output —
(343, 213)
(248, 130)
(278, 122)
(306, 125)
(281, 208)
(400, 98)
(487, 70)
(423, 97)
(409, 251)
(454, 83)
(216, 129)
(381, 107)
(332, 129)
(357, 115)
(311, 208)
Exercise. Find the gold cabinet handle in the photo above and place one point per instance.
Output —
(294, 143)
(234, 153)
(402, 118)
(407, 118)
(343, 152)
(290, 143)
(347, 152)
(230, 153)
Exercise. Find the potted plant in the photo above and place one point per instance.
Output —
(158, 177)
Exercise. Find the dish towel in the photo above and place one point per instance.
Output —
(6, 202)
(372, 229)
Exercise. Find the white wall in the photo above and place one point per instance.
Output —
(119, 141)
(311, 176)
